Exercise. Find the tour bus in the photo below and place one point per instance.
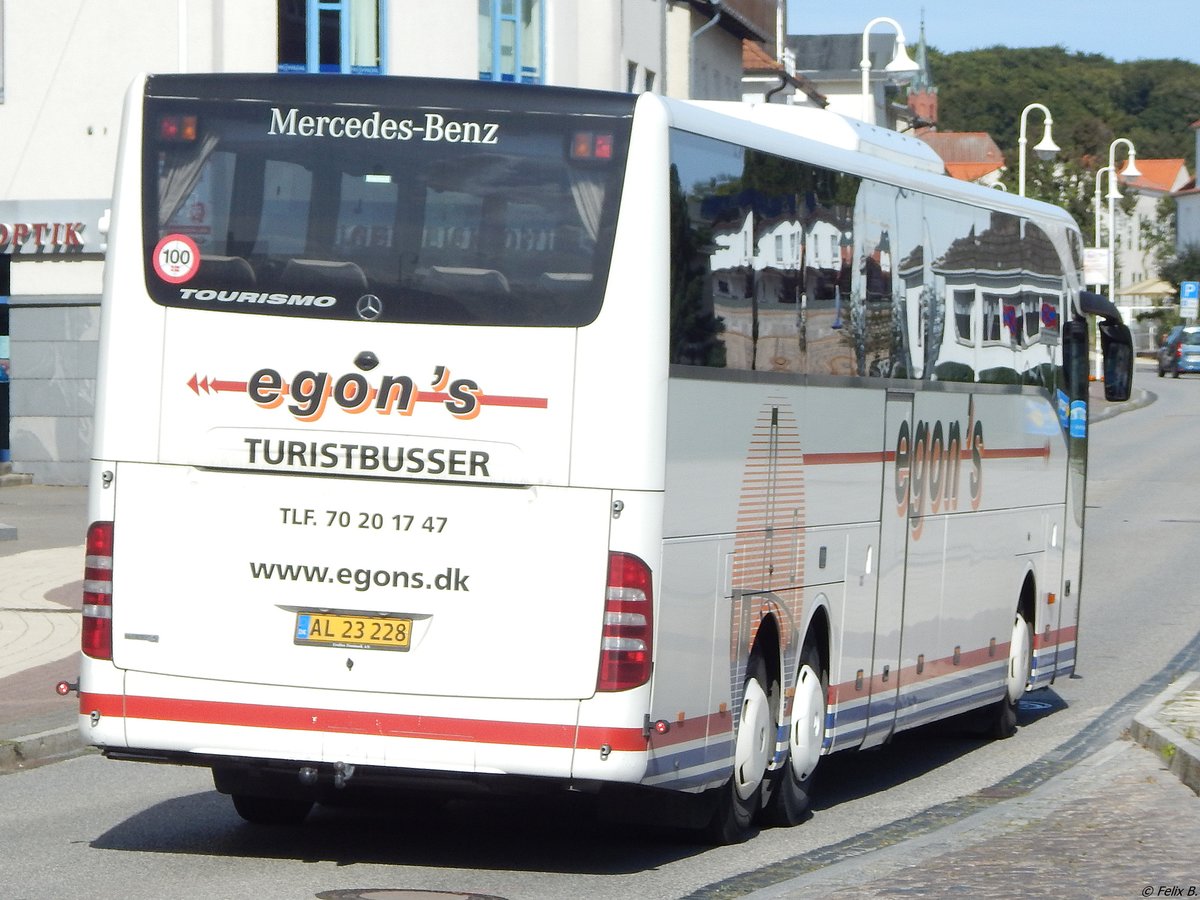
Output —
(488, 438)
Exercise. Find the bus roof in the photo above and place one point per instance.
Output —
(425, 92)
(837, 142)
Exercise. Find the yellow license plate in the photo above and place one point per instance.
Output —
(353, 632)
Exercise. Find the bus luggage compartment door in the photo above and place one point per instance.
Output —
(359, 585)
(889, 603)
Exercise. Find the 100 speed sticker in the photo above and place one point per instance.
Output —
(176, 258)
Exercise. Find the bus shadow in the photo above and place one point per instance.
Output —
(912, 754)
(559, 835)
(563, 834)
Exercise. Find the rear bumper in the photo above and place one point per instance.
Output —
(193, 722)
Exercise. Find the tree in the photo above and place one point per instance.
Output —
(1158, 234)
(1092, 98)
(1182, 266)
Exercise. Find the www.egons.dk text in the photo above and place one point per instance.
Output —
(452, 579)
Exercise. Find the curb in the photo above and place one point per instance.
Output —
(38, 749)
(1158, 729)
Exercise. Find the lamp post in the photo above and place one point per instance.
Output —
(901, 63)
(1045, 148)
(1114, 194)
(1100, 173)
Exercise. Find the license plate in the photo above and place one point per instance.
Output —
(353, 632)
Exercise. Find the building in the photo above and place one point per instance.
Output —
(1187, 208)
(768, 80)
(65, 68)
(1136, 258)
(968, 155)
(832, 63)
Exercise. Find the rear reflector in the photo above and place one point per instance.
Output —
(627, 640)
(97, 592)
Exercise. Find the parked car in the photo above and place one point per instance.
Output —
(1180, 352)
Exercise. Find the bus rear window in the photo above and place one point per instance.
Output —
(401, 215)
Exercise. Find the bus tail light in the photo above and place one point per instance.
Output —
(590, 145)
(626, 642)
(178, 129)
(97, 592)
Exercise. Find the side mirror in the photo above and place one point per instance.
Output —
(1116, 343)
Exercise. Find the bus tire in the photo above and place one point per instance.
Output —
(271, 810)
(792, 793)
(738, 801)
(1020, 664)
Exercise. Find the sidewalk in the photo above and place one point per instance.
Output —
(41, 595)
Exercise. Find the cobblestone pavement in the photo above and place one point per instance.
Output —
(1118, 825)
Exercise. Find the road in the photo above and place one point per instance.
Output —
(91, 827)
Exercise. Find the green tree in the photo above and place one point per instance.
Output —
(1092, 98)
(1182, 266)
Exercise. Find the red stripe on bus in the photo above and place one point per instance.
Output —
(1017, 452)
(249, 715)
(488, 400)
(938, 668)
(525, 402)
(683, 731)
(845, 459)
(1053, 638)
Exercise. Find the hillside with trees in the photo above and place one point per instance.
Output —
(1092, 98)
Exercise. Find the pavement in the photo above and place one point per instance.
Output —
(1125, 821)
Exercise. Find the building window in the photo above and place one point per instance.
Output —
(964, 303)
(992, 317)
(510, 41)
(345, 36)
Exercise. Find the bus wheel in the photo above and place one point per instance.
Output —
(1020, 664)
(739, 800)
(806, 732)
(271, 810)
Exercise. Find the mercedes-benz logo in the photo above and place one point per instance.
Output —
(369, 307)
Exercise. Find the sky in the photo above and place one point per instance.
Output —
(1145, 29)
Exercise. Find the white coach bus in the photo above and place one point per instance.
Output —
(458, 436)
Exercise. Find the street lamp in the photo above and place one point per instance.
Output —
(1114, 194)
(901, 63)
(1100, 173)
(1045, 148)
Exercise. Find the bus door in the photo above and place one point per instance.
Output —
(893, 552)
(1072, 399)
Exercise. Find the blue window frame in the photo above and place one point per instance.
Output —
(335, 36)
(512, 41)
